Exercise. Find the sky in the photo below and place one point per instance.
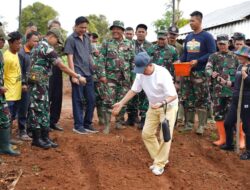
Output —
(131, 12)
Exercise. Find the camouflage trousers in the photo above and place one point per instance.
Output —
(194, 91)
(4, 114)
(139, 103)
(38, 113)
(113, 92)
(99, 89)
(221, 107)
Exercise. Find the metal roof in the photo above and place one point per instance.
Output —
(222, 16)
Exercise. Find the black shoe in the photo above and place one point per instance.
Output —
(245, 155)
(227, 147)
(56, 127)
(91, 129)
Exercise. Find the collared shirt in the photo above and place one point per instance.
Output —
(157, 86)
(81, 51)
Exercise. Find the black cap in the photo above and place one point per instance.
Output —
(173, 30)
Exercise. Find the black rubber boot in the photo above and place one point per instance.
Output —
(131, 119)
(45, 138)
(227, 147)
(37, 140)
(5, 146)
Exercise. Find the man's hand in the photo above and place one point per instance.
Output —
(75, 80)
(24, 88)
(103, 79)
(82, 80)
(214, 74)
(3, 90)
(117, 108)
(156, 106)
(193, 63)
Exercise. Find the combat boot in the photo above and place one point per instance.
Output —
(119, 122)
(189, 121)
(107, 117)
(5, 146)
(100, 114)
(45, 138)
(37, 140)
(202, 116)
(131, 119)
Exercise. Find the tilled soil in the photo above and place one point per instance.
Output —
(120, 161)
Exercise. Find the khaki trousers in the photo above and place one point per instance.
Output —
(158, 150)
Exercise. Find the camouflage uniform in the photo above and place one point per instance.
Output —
(225, 64)
(140, 101)
(4, 110)
(43, 57)
(115, 63)
(164, 56)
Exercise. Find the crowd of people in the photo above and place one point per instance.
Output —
(106, 76)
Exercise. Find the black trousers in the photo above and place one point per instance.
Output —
(231, 119)
(55, 94)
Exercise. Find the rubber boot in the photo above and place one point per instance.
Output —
(180, 114)
(189, 121)
(131, 119)
(119, 122)
(202, 115)
(45, 138)
(246, 155)
(221, 133)
(242, 138)
(37, 140)
(5, 146)
(100, 114)
(107, 118)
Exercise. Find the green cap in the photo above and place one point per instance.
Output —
(117, 23)
(3, 35)
(58, 34)
(161, 34)
(223, 38)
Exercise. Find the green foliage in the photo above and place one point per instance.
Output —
(38, 14)
(99, 24)
(166, 21)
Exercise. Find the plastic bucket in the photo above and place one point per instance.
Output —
(182, 69)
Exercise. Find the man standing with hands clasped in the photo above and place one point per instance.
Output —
(158, 86)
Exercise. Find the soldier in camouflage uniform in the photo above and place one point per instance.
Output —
(163, 54)
(114, 65)
(139, 102)
(5, 121)
(224, 64)
(43, 57)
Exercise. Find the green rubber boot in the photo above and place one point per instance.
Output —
(5, 146)
(202, 115)
(189, 121)
(100, 113)
(107, 118)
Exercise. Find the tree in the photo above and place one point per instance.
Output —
(38, 14)
(99, 24)
(166, 21)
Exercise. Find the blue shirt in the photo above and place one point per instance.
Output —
(81, 51)
(198, 47)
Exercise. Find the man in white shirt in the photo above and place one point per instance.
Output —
(158, 85)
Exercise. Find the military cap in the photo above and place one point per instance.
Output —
(117, 23)
(238, 36)
(161, 34)
(244, 51)
(173, 30)
(58, 34)
(222, 38)
(3, 35)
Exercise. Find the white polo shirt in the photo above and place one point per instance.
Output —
(157, 86)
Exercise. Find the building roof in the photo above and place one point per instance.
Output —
(222, 16)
